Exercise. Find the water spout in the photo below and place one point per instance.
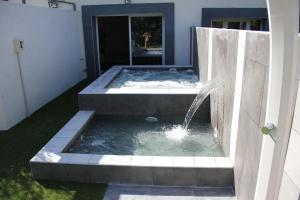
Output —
(204, 92)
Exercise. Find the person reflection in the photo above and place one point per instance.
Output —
(147, 37)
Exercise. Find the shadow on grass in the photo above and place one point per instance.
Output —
(19, 144)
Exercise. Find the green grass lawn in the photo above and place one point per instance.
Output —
(22, 142)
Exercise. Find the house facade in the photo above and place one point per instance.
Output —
(109, 38)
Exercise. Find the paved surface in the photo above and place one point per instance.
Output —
(138, 192)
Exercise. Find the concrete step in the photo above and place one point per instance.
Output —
(142, 192)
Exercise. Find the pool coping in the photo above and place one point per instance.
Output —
(53, 152)
(99, 85)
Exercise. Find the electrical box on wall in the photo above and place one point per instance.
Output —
(18, 45)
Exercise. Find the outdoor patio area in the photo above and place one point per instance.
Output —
(142, 100)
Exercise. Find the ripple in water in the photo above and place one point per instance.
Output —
(171, 78)
(98, 142)
(134, 136)
(151, 119)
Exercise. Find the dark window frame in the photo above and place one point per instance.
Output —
(209, 14)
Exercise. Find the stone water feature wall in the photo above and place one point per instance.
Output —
(252, 113)
(217, 57)
(223, 67)
(238, 108)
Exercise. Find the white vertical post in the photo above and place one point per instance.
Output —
(282, 91)
(284, 21)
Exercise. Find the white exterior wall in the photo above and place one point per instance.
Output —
(50, 60)
(290, 183)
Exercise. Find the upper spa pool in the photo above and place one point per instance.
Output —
(116, 135)
(155, 79)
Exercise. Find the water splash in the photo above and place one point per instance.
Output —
(176, 133)
(204, 92)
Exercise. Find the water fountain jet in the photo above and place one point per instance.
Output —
(207, 88)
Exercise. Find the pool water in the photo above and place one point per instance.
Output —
(138, 136)
(156, 78)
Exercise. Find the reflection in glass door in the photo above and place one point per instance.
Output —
(146, 41)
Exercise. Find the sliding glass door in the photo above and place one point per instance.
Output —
(130, 40)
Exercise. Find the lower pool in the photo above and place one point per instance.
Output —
(138, 136)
